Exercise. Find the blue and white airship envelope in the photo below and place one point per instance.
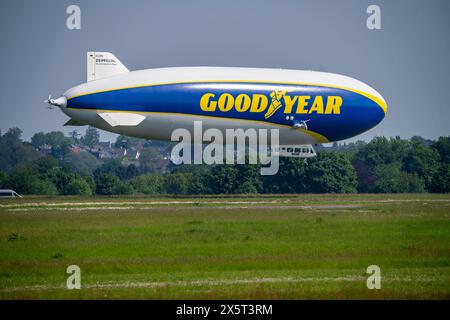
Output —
(307, 107)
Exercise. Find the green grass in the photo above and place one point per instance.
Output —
(271, 247)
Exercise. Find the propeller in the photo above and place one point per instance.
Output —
(49, 101)
(301, 124)
(304, 125)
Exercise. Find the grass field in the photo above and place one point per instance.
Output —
(271, 247)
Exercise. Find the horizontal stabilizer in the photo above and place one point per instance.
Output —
(73, 122)
(122, 119)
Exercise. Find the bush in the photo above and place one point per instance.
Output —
(111, 166)
(223, 179)
(198, 177)
(248, 188)
(42, 187)
(148, 184)
(330, 172)
(78, 186)
(125, 188)
(90, 181)
(44, 164)
(197, 184)
(107, 184)
(289, 179)
(249, 178)
(177, 183)
(23, 180)
(390, 179)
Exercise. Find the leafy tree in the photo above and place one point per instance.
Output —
(25, 181)
(247, 188)
(199, 175)
(43, 187)
(60, 152)
(14, 151)
(223, 179)
(38, 139)
(13, 134)
(91, 137)
(19, 179)
(54, 139)
(42, 165)
(90, 181)
(382, 151)
(152, 183)
(441, 179)
(289, 179)
(249, 178)
(57, 139)
(83, 162)
(443, 147)
(78, 186)
(390, 179)
(121, 172)
(43, 176)
(131, 171)
(197, 183)
(148, 160)
(125, 188)
(382, 165)
(60, 177)
(74, 135)
(113, 166)
(415, 183)
(331, 173)
(366, 178)
(107, 184)
(421, 159)
(177, 183)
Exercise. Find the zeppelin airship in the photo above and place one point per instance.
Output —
(307, 107)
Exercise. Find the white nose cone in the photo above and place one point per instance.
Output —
(60, 102)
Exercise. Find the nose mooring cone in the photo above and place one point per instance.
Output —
(60, 102)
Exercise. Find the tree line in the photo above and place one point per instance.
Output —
(383, 165)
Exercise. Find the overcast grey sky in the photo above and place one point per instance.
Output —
(407, 61)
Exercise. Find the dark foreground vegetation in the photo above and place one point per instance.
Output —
(53, 164)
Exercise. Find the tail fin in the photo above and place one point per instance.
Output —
(103, 64)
